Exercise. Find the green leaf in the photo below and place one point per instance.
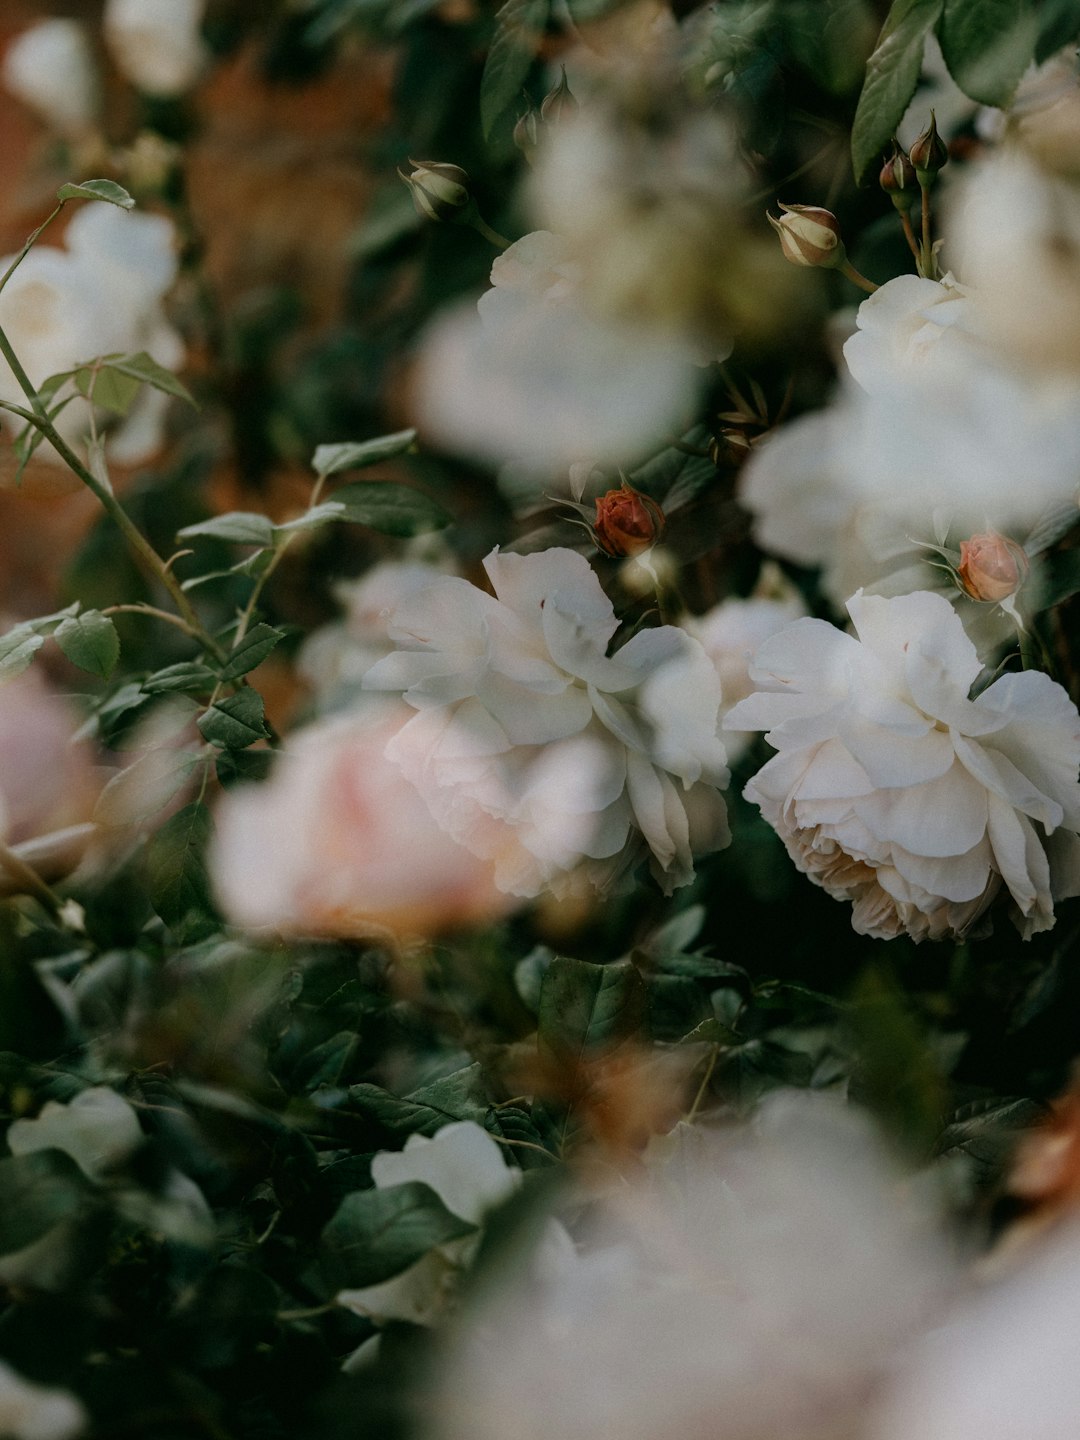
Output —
(90, 641)
(106, 190)
(462, 1093)
(892, 73)
(17, 648)
(146, 370)
(711, 1032)
(390, 508)
(186, 677)
(37, 1192)
(242, 527)
(108, 387)
(332, 459)
(236, 721)
(519, 27)
(179, 886)
(1059, 22)
(376, 1234)
(251, 651)
(585, 1007)
(144, 787)
(987, 45)
(313, 519)
(400, 1116)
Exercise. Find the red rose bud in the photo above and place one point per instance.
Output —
(899, 180)
(992, 567)
(439, 191)
(558, 102)
(627, 522)
(809, 235)
(929, 153)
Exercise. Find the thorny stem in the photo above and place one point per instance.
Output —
(928, 266)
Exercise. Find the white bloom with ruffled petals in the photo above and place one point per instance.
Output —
(896, 791)
(51, 68)
(524, 720)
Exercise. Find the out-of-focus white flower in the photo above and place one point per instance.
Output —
(937, 435)
(539, 377)
(51, 68)
(100, 295)
(1005, 1367)
(339, 842)
(466, 1169)
(157, 44)
(37, 1412)
(46, 781)
(732, 632)
(97, 1129)
(757, 1284)
(1015, 230)
(536, 749)
(334, 658)
(893, 790)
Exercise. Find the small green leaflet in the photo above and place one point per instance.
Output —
(106, 190)
(236, 721)
(987, 45)
(251, 651)
(242, 527)
(376, 1234)
(391, 509)
(90, 641)
(332, 459)
(113, 381)
(19, 646)
(178, 882)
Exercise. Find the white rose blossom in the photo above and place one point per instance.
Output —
(102, 294)
(37, 1412)
(51, 68)
(535, 748)
(754, 1284)
(894, 790)
(157, 44)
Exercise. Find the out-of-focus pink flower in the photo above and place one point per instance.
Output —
(46, 782)
(338, 842)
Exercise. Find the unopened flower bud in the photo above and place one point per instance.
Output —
(809, 235)
(558, 102)
(992, 567)
(439, 191)
(627, 522)
(899, 180)
(929, 153)
(527, 130)
(729, 448)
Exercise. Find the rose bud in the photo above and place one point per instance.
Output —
(929, 153)
(558, 102)
(899, 180)
(527, 131)
(627, 522)
(439, 191)
(992, 567)
(809, 235)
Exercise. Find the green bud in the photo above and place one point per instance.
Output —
(527, 130)
(439, 191)
(899, 180)
(929, 153)
(558, 102)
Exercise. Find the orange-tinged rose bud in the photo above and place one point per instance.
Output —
(809, 235)
(627, 522)
(929, 153)
(992, 567)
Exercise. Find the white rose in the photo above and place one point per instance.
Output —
(732, 632)
(537, 377)
(37, 1412)
(338, 842)
(100, 295)
(51, 68)
(466, 1169)
(157, 44)
(909, 327)
(97, 1129)
(535, 748)
(759, 1283)
(894, 790)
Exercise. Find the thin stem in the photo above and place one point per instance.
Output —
(21, 256)
(152, 610)
(856, 278)
(143, 550)
(691, 1114)
(909, 236)
(928, 264)
(481, 226)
